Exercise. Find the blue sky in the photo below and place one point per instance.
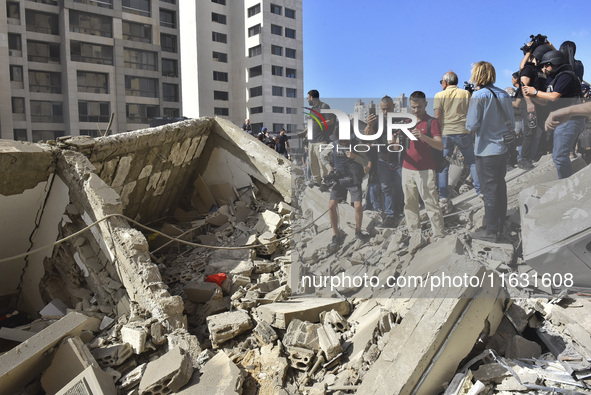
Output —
(360, 49)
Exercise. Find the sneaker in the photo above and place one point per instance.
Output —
(390, 222)
(334, 244)
(360, 236)
(525, 164)
(445, 205)
(483, 235)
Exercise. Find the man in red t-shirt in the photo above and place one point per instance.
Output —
(419, 177)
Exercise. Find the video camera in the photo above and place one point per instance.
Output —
(536, 41)
(469, 87)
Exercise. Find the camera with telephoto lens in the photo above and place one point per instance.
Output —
(536, 41)
(469, 87)
(334, 177)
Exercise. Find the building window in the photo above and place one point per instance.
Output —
(18, 105)
(140, 32)
(290, 92)
(170, 92)
(277, 91)
(278, 110)
(91, 82)
(219, 18)
(256, 91)
(169, 1)
(15, 45)
(290, 53)
(42, 22)
(221, 111)
(276, 29)
(96, 25)
(170, 68)
(221, 95)
(46, 111)
(20, 134)
(97, 3)
(13, 10)
(255, 9)
(291, 127)
(90, 132)
(45, 82)
(291, 110)
(277, 70)
(289, 13)
(219, 37)
(276, 50)
(43, 52)
(277, 127)
(168, 18)
(140, 86)
(48, 2)
(168, 43)
(256, 110)
(275, 9)
(221, 2)
(91, 53)
(138, 59)
(255, 51)
(255, 71)
(141, 113)
(138, 7)
(220, 57)
(254, 30)
(172, 112)
(94, 111)
(16, 73)
(46, 135)
(220, 76)
(290, 73)
(290, 33)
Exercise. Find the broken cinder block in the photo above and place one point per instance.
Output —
(135, 336)
(302, 334)
(280, 314)
(226, 326)
(218, 376)
(299, 358)
(265, 333)
(334, 319)
(167, 374)
(113, 355)
(329, 341)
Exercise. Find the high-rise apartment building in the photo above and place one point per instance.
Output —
(67, 65)
(243, 59)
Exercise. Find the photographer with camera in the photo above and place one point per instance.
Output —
(490, 118)
(563, 90)
(346, 176)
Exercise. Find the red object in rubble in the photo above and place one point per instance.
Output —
(217, 278)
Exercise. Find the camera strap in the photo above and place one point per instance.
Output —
(508, 123)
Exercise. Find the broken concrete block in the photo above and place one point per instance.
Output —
(274, 366)
(24, 362)
(268, 222)
(106, 322)
(334, 319)
(284, 208)
(135, 337)
(329, 341)
(134, 377)
(15, 335)
(201, 292)
(158, 333)
(267, 283)
(113, 355)
(518, 317)
(520, 347)
(265, 266)
(226, 326)
(265, 332)
(216, 306)
(492, 372)
(280, 314)
(218, 376)
(244, 268)
(54, 308)
(71, 358)
(299, 358)
(92, 381)
(217, 219)
(169, 373)
(302, 334)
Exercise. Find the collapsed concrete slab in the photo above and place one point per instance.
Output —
(218, 376)
(26, 361)
(437, 332)
(167, 374)
(556, 229)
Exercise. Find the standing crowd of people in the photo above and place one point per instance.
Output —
(483, 124)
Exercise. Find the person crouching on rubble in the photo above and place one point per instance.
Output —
(347, 173)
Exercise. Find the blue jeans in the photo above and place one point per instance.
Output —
(466, 147)
(391, 184)
(565, 136)
(372, 200)
(492, 171)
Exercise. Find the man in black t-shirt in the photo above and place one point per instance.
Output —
(282, 144)
(564, 89)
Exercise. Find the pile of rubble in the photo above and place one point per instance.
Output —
(252, 327)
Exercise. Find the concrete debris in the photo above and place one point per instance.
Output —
(520, 347)
(218, 376)
(302, 334)
(299, 358)
(135, 336)
(335, 320)
(133, 378)
(329, 341)
(265, 333)
(166, 374)
(92, 380)
(54, 308)
(281, 314)
(113, 355)
(201, 292)
(225, 326)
